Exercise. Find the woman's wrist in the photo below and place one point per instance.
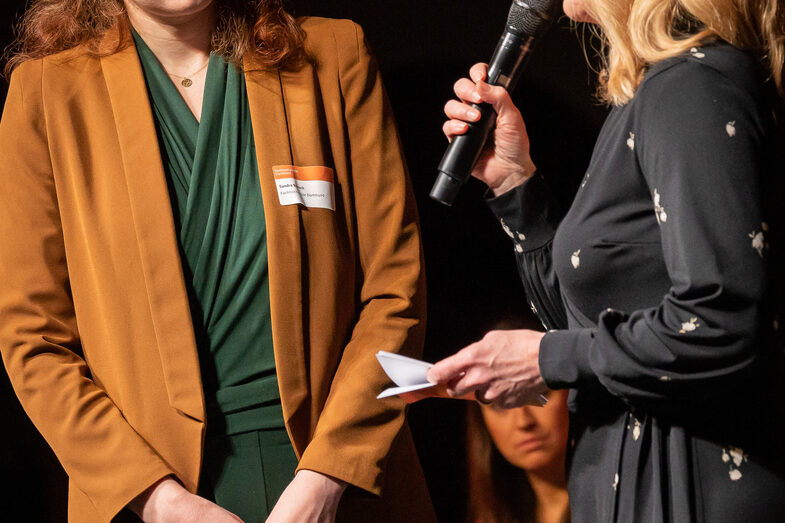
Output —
(311, 496)
(152, 504)
(328, 486)
(517, 176)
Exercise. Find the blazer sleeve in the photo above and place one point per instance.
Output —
(355, 431)
(39, 337)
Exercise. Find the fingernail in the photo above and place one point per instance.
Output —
(472, 114)
(476, 96)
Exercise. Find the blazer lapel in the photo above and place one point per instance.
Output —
(283, 222)
(155, 230)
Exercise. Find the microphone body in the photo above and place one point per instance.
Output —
(526, 22)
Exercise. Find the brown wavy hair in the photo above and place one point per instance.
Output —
(259, 26)
(499, 492)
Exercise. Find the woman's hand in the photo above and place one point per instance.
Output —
(168, 501)
(310, 496)
(505, 163)
(502, 368)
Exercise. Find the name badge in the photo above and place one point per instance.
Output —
(310, 186)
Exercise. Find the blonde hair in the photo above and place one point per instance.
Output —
(639, 33)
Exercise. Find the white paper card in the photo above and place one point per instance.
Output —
(407, 373)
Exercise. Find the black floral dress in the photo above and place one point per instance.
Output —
(662, 289)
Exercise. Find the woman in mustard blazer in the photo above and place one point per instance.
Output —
(105, 326)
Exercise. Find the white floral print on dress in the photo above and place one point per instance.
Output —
(734, 457)
(515, 236)
(689, 326)
(507, 230)
(759, 239)
(585, 180)
(615, 481)
(696, 53)
(631, 142)
(730, 128)
(659, 210)
(575, 259)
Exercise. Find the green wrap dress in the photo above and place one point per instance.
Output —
(214, 187)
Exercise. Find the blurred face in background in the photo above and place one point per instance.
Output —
(531, 438)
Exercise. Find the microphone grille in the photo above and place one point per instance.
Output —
(529, 16)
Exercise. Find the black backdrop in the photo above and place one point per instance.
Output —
(422, 48)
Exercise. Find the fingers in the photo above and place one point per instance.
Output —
(479, 395)
(451, 368)
(456, 110)
(478, 72)
(476, 378)
(477, 90)
(474, 90)
(459, 113)
(490, 395)
(452, 128)
(466, 90)
(497, 96)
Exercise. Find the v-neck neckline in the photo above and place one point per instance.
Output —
(178, 100)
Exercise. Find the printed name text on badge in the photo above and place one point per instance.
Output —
(310, 186)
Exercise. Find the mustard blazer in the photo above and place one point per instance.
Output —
(95, 328)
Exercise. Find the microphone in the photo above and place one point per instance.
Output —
(526, 22)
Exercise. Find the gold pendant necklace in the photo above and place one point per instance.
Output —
(186, 81)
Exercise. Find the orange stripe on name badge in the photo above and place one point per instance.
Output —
(310, 186)
(311, 172)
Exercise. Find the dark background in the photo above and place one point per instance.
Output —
(422, 48)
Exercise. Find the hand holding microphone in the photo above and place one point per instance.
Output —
(526, 22)
(505, 163)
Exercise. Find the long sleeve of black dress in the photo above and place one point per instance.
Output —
(529, 208)
(697, 152)
(657, 290)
